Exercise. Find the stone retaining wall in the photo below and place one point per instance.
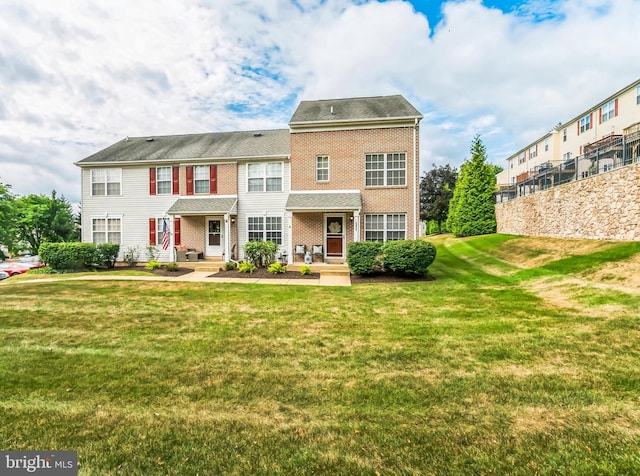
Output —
(602, 207)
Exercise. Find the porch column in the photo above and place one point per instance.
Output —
(227, 238)
(288, 219)
(356, 225)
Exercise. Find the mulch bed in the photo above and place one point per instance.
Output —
(388, 278)
(158, 272)
(263, 273)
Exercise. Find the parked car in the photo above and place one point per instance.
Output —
(3, 275)
(21, 266)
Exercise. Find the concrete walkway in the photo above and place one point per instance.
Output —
(204, 277)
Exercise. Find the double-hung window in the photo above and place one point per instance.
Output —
(546, 145)
(385, 227)
(264, 177)
(265, 229)
(201, 178)
(163, 180)
(106, 230)
(638, 94)
(585, 123)
(533, 152)
(322, 168)
(105, 181)
(521, 158)
(608, 111)
(385, 169)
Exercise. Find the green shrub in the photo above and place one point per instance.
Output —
(305, 270)
(43, 270)
(107, 254)
(408, 256)
(70, 256)
(246, 267)
(152, 252)
(132, 256)
(277, 268)
(261, 253)
(230, 265)
(173, 266)
(153, 265)
(363, 257)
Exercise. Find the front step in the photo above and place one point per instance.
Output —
(335, 272)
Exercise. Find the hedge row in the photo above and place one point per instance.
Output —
(402, 256)
(75, 255)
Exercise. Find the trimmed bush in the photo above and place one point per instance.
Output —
(132, 256)
(69, 256)
(305, 270)
(409, 256)
(246, 267)
(153, 265)
(261, 253)
(277, 268)
(363, 257)
(230, 265)
(107, 254)
(173, 266)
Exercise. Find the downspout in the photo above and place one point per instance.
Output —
(415, 180)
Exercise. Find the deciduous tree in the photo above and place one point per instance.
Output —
(436, 191)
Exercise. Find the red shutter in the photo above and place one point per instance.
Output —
(213, 179)
(536, 149)
(152, 181)
(600, 116)
(580, 153)
(152, 231)
(591, 120)
(190, 180)
(615, 108)
(175, 175)
(578, 124)
(176, 231)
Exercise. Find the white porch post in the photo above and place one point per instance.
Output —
(227, 237)
(289, 219)
(356, 225)
(172, 239)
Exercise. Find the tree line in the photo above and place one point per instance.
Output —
(28, 221)
(461, 203)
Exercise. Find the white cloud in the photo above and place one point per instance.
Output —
(77, 76)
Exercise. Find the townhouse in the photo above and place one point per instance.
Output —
(604, 137)
(345, 170)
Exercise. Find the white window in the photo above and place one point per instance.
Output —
(322, 168)
(264, 177)
(265, 229)
(106, 230)
(163, 180)
(564, 135)
(533, 152)
(608, 111)
(521, 158)
(384, 227)
(546, 145)
(607, 167)
(201, 178)
(385, 169)
(585, 123)
(105, 181)
(567, 156)
(160, 229)
(638, 94)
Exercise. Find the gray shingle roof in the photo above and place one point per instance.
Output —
(202, 206)
(354, 109)
(324, 201)
(268, 143)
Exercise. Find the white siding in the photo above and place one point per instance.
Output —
(134, 206)
(251, 204)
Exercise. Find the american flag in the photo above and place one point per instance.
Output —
(165, 235)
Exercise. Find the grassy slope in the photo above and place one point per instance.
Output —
(498, 366)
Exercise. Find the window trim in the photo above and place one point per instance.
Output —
(533, 151)
(264, 176)
(585, 123)
(264, 231)
(319, 169)
(610, 113)
(106, 182)
(386, 228)
(638, 94)
(385, 170)
(106, 229)
(169, 180)
(203, 181)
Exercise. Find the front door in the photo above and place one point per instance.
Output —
(215, 236)
(334, 236)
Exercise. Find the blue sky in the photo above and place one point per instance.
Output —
(76, 77)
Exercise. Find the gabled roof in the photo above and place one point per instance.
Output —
(204, 206)
(268, 143)
(314, 201)
(354, 110)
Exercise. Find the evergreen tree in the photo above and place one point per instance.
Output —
(436, 190)
(472, 208)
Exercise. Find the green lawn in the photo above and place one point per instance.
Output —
(518, 359)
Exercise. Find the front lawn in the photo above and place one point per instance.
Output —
(507, 363)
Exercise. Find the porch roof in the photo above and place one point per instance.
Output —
(329, 201)
(204, 206)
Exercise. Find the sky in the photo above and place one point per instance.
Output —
(78, 75)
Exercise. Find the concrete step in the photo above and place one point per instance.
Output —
(334, 272)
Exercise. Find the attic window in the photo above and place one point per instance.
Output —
(149, 139)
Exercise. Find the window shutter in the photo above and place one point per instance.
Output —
(578, 124)
(615, 109)
(536, 149)
(176, 231)
(213, 179)
(152, 181)
(175, 175)
(190, 180)
(591, 120)
(152, 231)
(580, 150)
(600, 122)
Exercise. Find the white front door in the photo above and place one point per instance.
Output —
(215, 236)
